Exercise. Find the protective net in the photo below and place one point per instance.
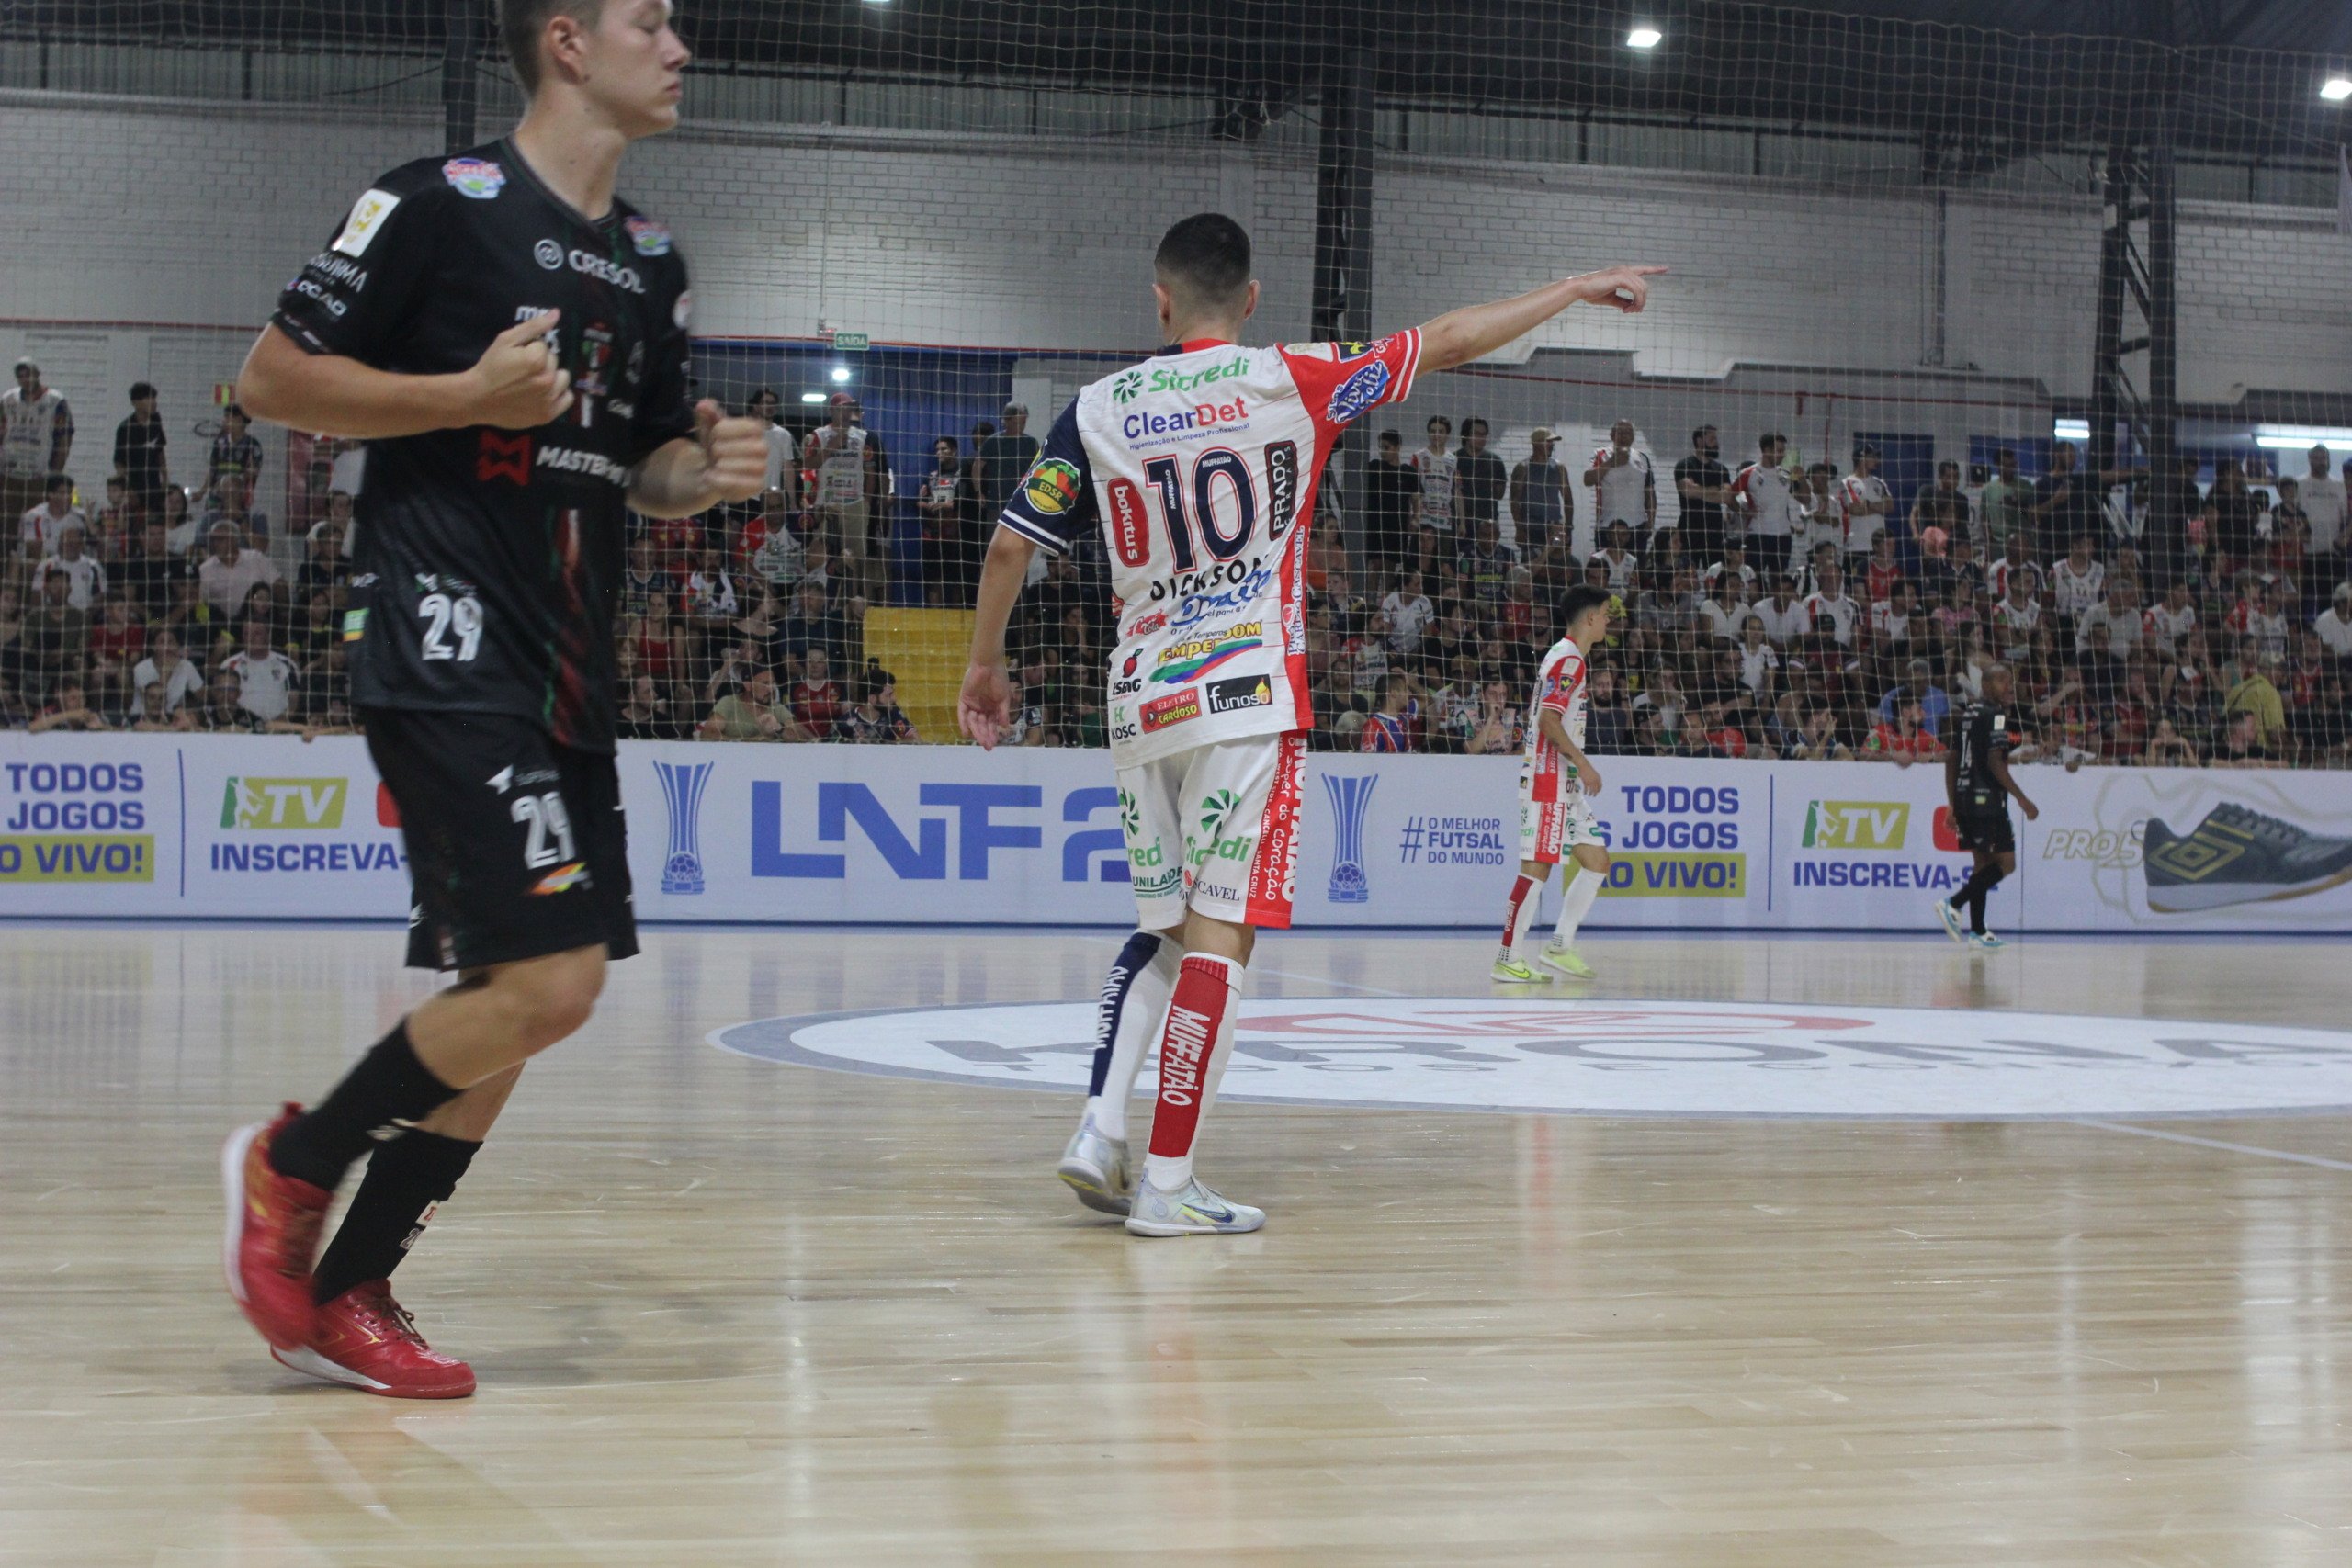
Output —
(1977, 347)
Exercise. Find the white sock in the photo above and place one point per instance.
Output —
(1140, 1023)
(1171, 1171)
(1575, 902)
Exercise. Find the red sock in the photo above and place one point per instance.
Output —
(1204, 987)
(1520, 891)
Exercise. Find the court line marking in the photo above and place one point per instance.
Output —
(2319, 1160)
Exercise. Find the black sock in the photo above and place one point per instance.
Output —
(406, 1177)
(1132, 961)
(1984, 881)
(388, 1085)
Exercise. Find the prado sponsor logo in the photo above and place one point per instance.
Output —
(75, 822)
(476, 177)
(255, 805)
(1627, 1057)
(1143, 381)
(605, 270)
(573, 460)
(1145, 428)
(1856, 825)
(1247, 691)
(1177, 707)
(1358, 392)
(1198, 656)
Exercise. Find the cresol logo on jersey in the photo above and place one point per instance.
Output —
(1674, 841)
(75, 822)
(935, 831)
(255, 810)
(1860, 843)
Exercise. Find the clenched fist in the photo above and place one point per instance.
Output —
(517, 383)
(735, 452)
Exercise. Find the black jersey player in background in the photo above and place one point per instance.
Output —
(510, 339)
(1977, 786)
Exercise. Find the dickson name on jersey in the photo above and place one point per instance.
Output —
(1199, 466)
(489, 561)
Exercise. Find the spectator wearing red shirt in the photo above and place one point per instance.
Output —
(1397, 726)
(1906, 740)
(1883, 572)
(816, 697)
(117, 645)
(657, 645)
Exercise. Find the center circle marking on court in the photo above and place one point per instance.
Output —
(1627, 1058)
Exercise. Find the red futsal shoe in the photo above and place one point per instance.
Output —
(273, 1235)
(365, 1340)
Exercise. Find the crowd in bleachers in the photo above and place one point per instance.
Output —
(1769, 610)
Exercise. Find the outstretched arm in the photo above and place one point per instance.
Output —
(1475, 331)
(984, 708)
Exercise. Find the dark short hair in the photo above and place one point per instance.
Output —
(56, 481)
(2008, 451)
(1205, 257)
(1698, 433)
(1391, 438)
(1441, 419)
(1473, 424)
(520, 23)
(764, 392)
(1581, 600)
(1770, 438)
(141, 389)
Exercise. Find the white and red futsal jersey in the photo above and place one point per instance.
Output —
(1199, 465)
(1554, 814)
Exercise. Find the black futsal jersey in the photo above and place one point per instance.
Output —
(489, 561)
(1982, 731)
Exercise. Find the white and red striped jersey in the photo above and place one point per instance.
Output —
(1761, 496)
(1199, 466)
(1863, 528)
(1545, 775)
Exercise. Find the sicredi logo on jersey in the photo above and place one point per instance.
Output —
(1134, 384)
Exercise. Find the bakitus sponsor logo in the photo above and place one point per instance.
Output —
(1177, 707)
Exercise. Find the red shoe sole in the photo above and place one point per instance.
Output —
(309, 1364)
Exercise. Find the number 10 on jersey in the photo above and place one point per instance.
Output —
(1131, 523)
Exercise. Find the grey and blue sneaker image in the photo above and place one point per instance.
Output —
(2238, 856)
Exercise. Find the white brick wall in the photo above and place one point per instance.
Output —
(123, 217)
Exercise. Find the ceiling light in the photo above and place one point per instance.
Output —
(841, 373)
(2301, 437)
(2335, 89)
(812, 397)
(2072, 430)
(1644, 36)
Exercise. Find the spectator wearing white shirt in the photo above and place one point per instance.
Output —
(1624, 483)
(165, 668)
(1405, 615)
(36, 440)
(2166, 625)
(1434, 465)
(87, 578)
(2323, 502)
(2335, 627)
(1759, 661)
(1726, 609)
(2017, 614)
(264, 676)
(1783, 615)
(1619, 559)
(1735, 563)
(783, 453)
(2015, 558)
(1829, 611)
(40, 527)
(1821, 514)
(2118, 617)
(1763, 499)
(2077, 582)
(1869, 505)
(228, 575)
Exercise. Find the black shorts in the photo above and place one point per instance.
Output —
(1987, 830)
(517, 845)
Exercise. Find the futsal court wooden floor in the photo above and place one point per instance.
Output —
(729, 1306)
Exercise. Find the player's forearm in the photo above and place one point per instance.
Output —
(674, 480)
(330, 395)
(1475, 331)
(1001, 575)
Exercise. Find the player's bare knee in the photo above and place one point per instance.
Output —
(551, 998)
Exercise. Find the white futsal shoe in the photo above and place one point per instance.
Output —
(1951, 917)
(1191, 1210)
(1095, 1167)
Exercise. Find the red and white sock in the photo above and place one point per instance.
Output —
(1520, 915)
(1194, 1044)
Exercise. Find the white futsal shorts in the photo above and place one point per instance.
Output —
(1214, 829)
(1548, 831)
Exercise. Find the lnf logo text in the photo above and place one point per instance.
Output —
(974, 816)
